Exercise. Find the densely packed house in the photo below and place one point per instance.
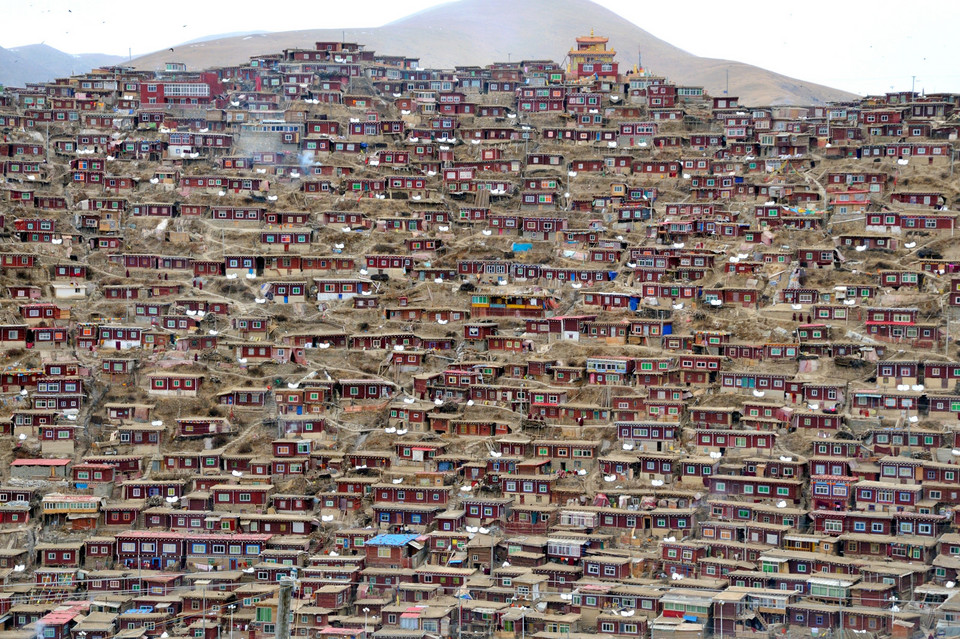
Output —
(530, 349)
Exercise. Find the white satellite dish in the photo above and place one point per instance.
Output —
(157, 422)
(781, 504)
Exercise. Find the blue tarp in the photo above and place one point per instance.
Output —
(520, 248)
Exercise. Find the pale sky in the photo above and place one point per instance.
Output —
(862, 46)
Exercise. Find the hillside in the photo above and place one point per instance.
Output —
(41, 63)
(449, 34)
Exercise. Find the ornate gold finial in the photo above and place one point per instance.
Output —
(591, 33)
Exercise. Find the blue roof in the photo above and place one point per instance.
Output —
(390, 540)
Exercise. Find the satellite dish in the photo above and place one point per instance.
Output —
(781, 504)
(172, 500)
(22, 436)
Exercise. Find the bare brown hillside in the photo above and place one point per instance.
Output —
(485, 31)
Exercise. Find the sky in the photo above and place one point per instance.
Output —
(863, 46)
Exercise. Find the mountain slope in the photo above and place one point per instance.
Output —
(485, 31)
(41, 63)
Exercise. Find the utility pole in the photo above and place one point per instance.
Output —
(283, 608)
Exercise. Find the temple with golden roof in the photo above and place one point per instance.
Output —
(592, 59)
